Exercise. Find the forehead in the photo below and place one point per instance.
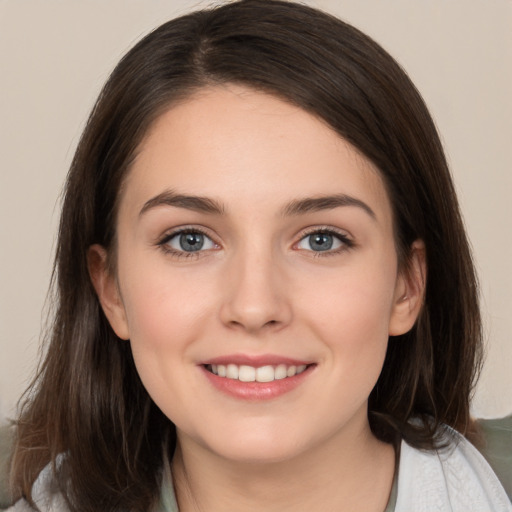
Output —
(251, 148)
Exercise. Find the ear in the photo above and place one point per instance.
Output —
(106, 287)
(409, 291)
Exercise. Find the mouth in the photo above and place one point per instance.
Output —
(256, 378)
(246, 373)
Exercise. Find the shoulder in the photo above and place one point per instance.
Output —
(45, 495)
(456, 478)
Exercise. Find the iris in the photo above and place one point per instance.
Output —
(321, 241)
(191, 242)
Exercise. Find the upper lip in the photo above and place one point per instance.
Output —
(256, 361)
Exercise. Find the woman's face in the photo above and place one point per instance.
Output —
(256, 277)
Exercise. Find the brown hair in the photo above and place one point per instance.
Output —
(87, 400)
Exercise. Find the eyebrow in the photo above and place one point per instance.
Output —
(293, 208)
(195, 203)
(317, 204)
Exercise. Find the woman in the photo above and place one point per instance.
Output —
(265, 294)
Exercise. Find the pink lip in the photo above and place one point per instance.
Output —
(255, 360)
(255, 391)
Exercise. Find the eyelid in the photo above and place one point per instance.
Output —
(345, 239)
(343, 234)
(324, 229)
(185, 228)
(163, 241)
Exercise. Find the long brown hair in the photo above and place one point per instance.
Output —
(87, 401)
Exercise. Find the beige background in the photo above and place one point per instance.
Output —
(55, 55)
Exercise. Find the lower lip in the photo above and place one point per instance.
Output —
(257, 391)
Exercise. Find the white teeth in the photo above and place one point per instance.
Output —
(265, 374)
(232, 371)
(246, 373)
(280, 372)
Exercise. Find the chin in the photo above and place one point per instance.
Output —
(258, 446)
(263, 453)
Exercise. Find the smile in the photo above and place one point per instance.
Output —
(256, 378)
(245, 373)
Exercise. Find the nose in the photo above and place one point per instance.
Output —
(255, 297)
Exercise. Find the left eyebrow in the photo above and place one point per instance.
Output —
(317, 204)
(189, 202)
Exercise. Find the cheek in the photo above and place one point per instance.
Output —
(351, 315)
(163, 307)
(165, 316)
(357, 303)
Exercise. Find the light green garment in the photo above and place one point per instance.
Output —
(167, 497)
(392, 498)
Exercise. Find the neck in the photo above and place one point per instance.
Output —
(351, 471)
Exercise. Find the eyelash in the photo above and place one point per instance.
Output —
(163, 243)
(346, 242)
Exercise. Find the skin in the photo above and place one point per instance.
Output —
(258, 287)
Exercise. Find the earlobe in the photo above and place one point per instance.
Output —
(105, 284)
(409, 291)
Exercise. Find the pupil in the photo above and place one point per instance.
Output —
(320, 241)
(191, 241)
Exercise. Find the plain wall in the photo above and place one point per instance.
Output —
(55, 55)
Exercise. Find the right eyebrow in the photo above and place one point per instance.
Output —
(320, 203)
(196, 203)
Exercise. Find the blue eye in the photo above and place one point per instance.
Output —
(189, 241)
(322, 241)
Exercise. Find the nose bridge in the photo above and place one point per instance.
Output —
(256, 295)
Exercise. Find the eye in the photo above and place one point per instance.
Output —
(188, 241)
(323, 241)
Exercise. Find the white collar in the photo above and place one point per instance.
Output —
(456, 479)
